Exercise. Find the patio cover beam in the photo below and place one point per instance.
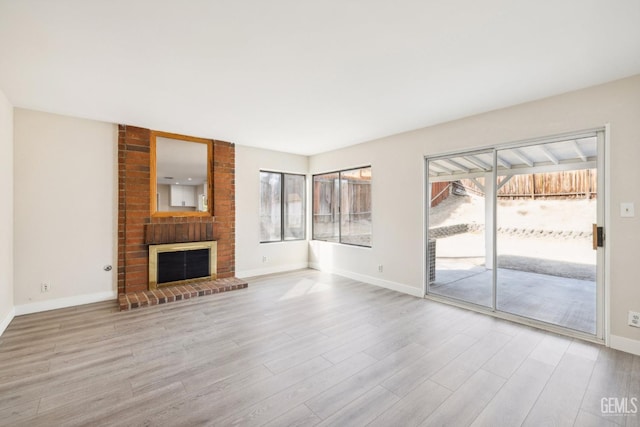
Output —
(519, 154)
(549, 154)
(579, 151)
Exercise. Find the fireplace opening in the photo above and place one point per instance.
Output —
(172, 264)
(183, 265)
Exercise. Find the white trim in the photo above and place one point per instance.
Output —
(271, 270)
(606, 312)
(394, 286)
(36, 307)
(5, 322)
(426, 205)
(625, 344)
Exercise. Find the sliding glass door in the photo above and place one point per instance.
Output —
(459, 245)
(530, 210)
(545, 212)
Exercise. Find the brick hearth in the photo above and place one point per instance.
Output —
(139, 299)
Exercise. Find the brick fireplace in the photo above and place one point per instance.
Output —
(137, 229)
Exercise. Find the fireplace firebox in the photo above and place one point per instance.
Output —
(173, 264)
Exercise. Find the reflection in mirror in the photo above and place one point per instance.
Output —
(182, 181)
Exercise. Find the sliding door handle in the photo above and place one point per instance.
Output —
(598, 237)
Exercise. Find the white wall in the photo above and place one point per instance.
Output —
(396, 185)
(398, 188)
(281, 256)
(65, 172)
(6, 212)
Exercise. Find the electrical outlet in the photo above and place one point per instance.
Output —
(634, 318)
(45, 287)
(380, 268)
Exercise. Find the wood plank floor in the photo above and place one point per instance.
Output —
(303, 348)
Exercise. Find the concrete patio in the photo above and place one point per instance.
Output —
(561, 301)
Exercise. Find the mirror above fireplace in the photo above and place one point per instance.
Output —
(181, 178)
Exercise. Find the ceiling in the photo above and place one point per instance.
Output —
(301, 76)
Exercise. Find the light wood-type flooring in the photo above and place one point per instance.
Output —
(304, 348)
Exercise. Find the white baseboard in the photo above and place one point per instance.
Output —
(394, 286)
(36, 307)
(624, 344)
(271, 270)
(5, 322)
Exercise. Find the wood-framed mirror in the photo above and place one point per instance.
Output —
(181, 175)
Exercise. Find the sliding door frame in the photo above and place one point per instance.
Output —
(603, 220)
(490, 256)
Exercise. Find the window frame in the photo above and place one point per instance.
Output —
(313, 198)
(282, 206)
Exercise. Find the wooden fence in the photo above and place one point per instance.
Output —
(354, 197)
(556, 185)
(553, 185)
(439, 192)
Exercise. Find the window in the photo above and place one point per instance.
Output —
(342, 207)
(282, 207)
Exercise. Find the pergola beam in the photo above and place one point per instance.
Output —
(476, 161)
(503, 162)
(579, 151)
(549, 154)
(457, 165)
(439, 167)
(520, 155)
(478, 184)
(504, 181)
